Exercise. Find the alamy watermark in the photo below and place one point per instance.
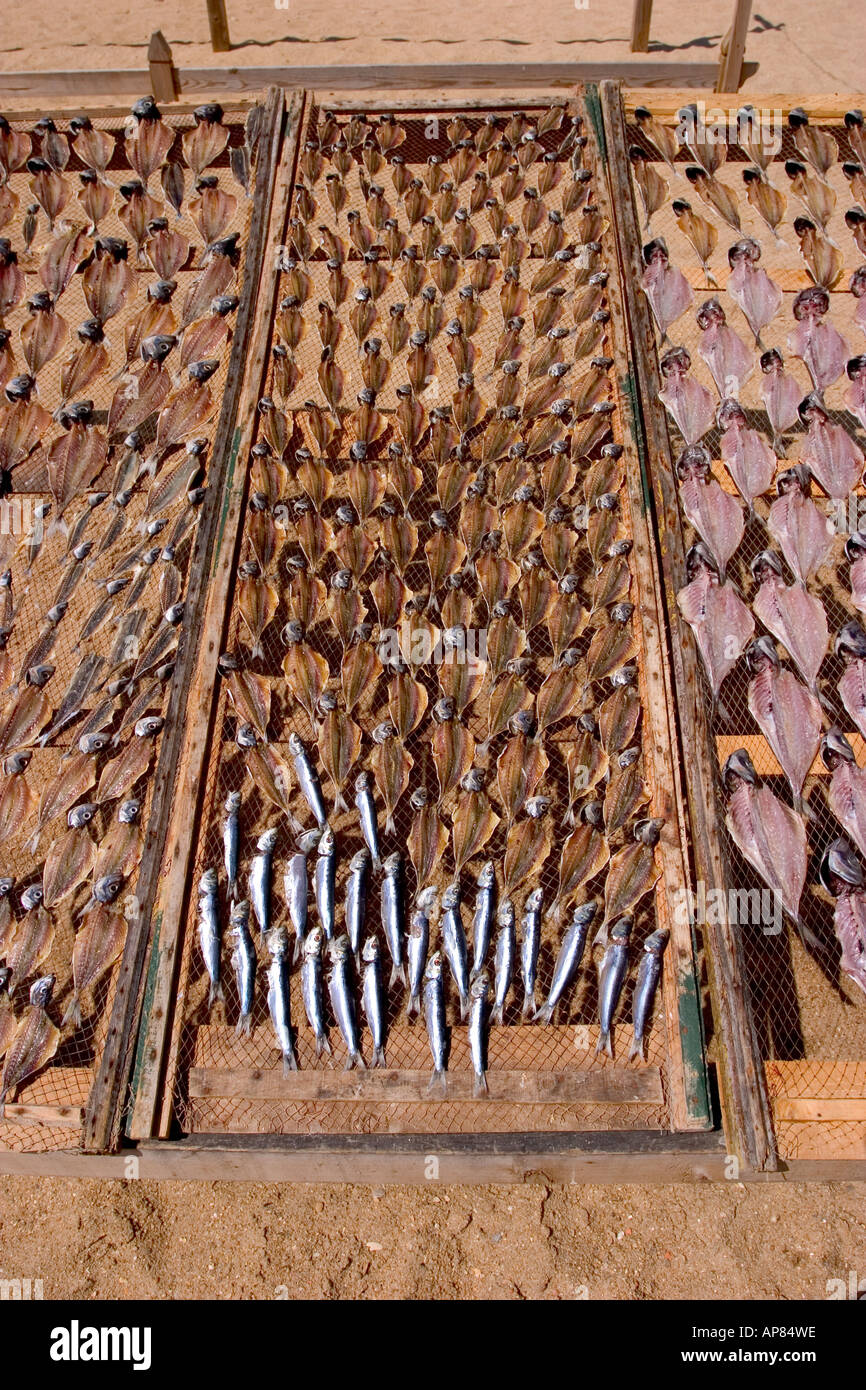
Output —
(734, 907)
(718, 126)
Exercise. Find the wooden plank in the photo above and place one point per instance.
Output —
(613, 1085)
(640, 26)
(103, 1109)
(219, 26)
(820, 1108)
(163, 76)
(666, 103)
(743, 1087)
(153, 1048)
(649, 73)
(734, 49)
(688, 1090)
(59, 1116)
(798, 1078)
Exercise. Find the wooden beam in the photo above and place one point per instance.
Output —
(219, 26)
(56, 1116)
(104, 1105)
(808, 1108)
(618, 1086)
(827, 108)
(163, 77)
(748, 1122)
(734, 49)
(640, 26)
(648, 72)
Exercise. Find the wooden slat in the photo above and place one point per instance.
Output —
(648, 72)
(103, 1109)
(747, 1116)
(56, 1116)
(819, 1108)
(611, 1086)
(219, 26)
(152, 1089)
(163, 77)
(688, 1094)
(824, 1078)
(734, 49)
(666, 103)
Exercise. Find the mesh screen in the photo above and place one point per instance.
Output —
(205, 1039)
(66, 1082)
(806, 1011)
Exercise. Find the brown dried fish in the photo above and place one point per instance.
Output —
(527, 848)
(586, 763)
(120, 850)
(35, 1041)
(32, 941)
(508, 698)
(272, 778)
(536, 593)
(407, 703)
(305, 599)
(584, 854)
(496, 577)
(505, 642)
(250, 695)
(22, 722)
(75, 777)
(610, 648)
(426, 840)
(119, 776)
(560, 696)
(632, 873)
(519, 769)
(391, 766)
(472, 825)
(17, 801)
(618, 718)
(70, 859)
(566, 623)
(453, 750)
(306, 672)
(257, 599)
(98, 946)
(360, 670)
(625, 792)
(339, 749)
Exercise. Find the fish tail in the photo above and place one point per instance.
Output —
(412, 1008)
(379, 1057)
(149, 467)
(322, 1044)
(58, 526)
(398, 976)
(73, 1013)
(214, 993)
(33, 843)
(290, 1063)
(480, 1087)
(244, 1026)
(529, 1005)
(544, 1014)
(340, 804)
(808, 937)
(464, 1007)
(637, 1049)
(257, 652)
(604, 1044)
(496, 1016)
(377, 864)
(390, 827)
(437, 1082)
(481, 748)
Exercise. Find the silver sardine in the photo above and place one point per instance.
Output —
(367, 812)
(340, 989)
(308, 779)
(311, 989)
(529, 949)
(568, 960)
(326, 875)
(373, 998)
(394, 914)
(417, 945)
(356, 900)
(479, 1022)
(279, 1004)
(434, 1017)
(231, 840)
(260, 879)
(454, 944)
(244, 965)
(506, 950)
(611, 978)
(482, 921)
(210, 932)
(648, 976)
(296, 885)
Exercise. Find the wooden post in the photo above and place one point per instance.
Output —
(164, 83)
(734, 49)
(640, 26)
(219, 26)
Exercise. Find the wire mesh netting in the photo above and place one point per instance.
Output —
(317, 510)
(810, 1015)
(141, 533)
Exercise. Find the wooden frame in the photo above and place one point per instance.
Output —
(742, 1082)
(733, 46)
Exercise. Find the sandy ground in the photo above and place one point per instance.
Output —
(782, 34)
(234, 1240)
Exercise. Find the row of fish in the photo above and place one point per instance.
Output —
(797, 714)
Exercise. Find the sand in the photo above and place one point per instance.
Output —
(781, 40)
(236, 1240)
(233, 1240)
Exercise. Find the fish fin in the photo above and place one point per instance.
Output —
(214, 993)
(544, 1014)
(437, 1082)
(257, 653)
(480, 1087)
(290, 1063)
(323, 1045)
(398, 976)
(529, 1006)
(604, 1044)
(390, 827)
(148, 468)
(33, 843)
(73, 1013)
(379, 1057)
(412, 1008)
(809, 939)
(244, 1026)
(637, 1049)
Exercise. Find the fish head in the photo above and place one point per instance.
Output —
(746, 251)
(730, 415)
(625, 675)
(621, 929)
(480, 987)
(766, 565)
(208, 883)
(537, 806)
(129, 811)
(451, 897)
(698, 560)
(246, 736)
(360, 862)
(855, 546)
(210, 113)
(676, 362)
(434, 966)
(81, 815)
(266, 841)
(710, 313)
(835, 750)
(371, 950)
(473, 780)
(840, 869)
(150, 726)
(6, 886)
(656, 942)
(313, 944)
(233, 803)
(5, 977)
(772, 362)
(418, 800)
(694, 462)
(278, 943)
(857, 284)
(426, 900)
(327, 843)
(856, 368)
(40, 675)
(738, 768)
(811, 303)
(309, 840)
(523, 722)
(240, 917)
(851, 641)
(592, 813)
(796, 479)
(505, 914)
(41, 991)
(655, 252)
(339, 948)
(31, 897)
(16, 763)
(392, 866)
(486, 875)
(760, 654)
(93, 743)
(534, 901)
(648, 832)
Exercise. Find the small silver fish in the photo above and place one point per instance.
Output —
(394, 915)
(367, 811)
(529, 949)
(356, 899)
(373, 998)
(210, 932)
(311, 989)
(308, 779)
(454, 944)
(483, 918)
(568, 960)
(231, 840)
(296, 885)
(479, 1022)
(648, 976)
(506, 950)
(326, 876)
(611, 978)
(340, 989)
(279, 1001)
(417, 945)
(434, 1017)
(244, 965)
(260, 879)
